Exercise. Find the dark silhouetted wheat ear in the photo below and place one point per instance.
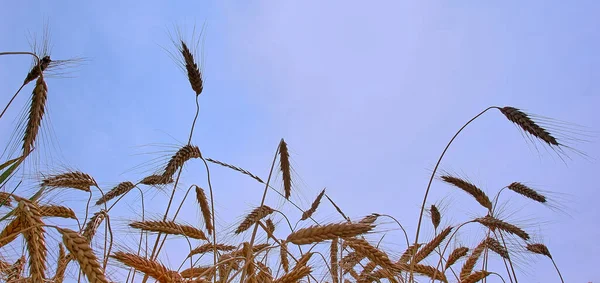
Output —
(528, 125)
(284, 165)
(494, 223)
(527, 192)
(538, 248)
(193, 72)
(471, 189)
(436, 216)
(313, 207)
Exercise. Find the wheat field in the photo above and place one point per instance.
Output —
(170, 219)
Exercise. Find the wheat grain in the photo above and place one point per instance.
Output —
(315, 234)
(455, 255)
(284, 165)
(184, 154)
(472, 260)
(526, 192)
(429, 247)
(294, 275)
(436, 217)
(169, 227)
(313, 207)
(256, 215)
(90, 228)
(528, 125)
(476, 276)
(241, 170)
(11, 231)
(495, 246)
(209, 247)
(283, 256)
(205, 209)
(333, 259)
(539, 248)
(408, 253)
(494, 223)
(75, 180)
(374, 254)
(78, 246)
(154, 180)
(36, 113)
(34, 238)
(120, 189)
(194, 75)
(57, 211)
(471, 189)
(149, 267)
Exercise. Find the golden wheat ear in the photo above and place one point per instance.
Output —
(37, 109)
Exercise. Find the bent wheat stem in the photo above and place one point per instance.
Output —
(431, 181)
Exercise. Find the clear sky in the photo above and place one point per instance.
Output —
(366, 94)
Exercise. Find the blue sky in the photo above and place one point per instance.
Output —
(366, 95)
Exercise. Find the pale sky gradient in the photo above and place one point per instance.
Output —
(366, 95)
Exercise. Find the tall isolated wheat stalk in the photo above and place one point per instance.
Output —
(276, 251)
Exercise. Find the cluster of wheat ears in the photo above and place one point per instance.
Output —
(319, 252)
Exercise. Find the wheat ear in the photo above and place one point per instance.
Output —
(36, 113)
(78, 246)
(205, 209)
(315, 234)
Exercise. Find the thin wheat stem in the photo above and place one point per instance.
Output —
(262, 202)
(559, 275)
(155, 249)
(20, 88)
(431, 181)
